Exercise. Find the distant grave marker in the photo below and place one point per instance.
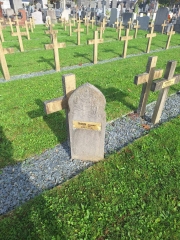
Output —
(150, 36)
(79, 30)
(136, 27)
(119, 28)
(4, 51)
(92, 22)
(101, 29)
(146, 80)
(10, 23)
(19, 34)
(163, 26)
(95, 41)
(70, 27)
(126, 39)
(170, 33)
(163, 85)
(55, 46)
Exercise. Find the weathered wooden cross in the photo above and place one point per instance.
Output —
(129, 23)
(10, 23)
(19, 35)
(4, 66)
(163, 85)
(79, 21)
(1, 32)
(92, 22)
(163, 26)
(117, 24)
(70, 27)
(61, 103)
(125, 39)
(146, 80)
(51, 31)
(74, 21)
(87, 27)
(85, 20)
(95, 41)
(79, 30)
(170, 33)
(150, 36)
(101, 29)
(119, 28)
(55, 46)
(27, 29)
(104, 24)
(136, 29)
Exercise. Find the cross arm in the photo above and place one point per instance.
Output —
(163, 83)
(150, 35)
(125, 38)
(51, 32)
(56, 104)
(142, 78)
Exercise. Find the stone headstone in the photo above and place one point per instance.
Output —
(44, 14)
(38, 6)
(52, 14)
(177, 25)
(143, 22)
(37, 17)
(23, 16)
(126, 17)
(162, 14)
(16, 4)
(113, 16)
(87, 122)
(6, 4)
(114, 3)
(9, 12)
(58, 13)
(65, 14)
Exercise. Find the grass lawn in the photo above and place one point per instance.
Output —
(132, 194)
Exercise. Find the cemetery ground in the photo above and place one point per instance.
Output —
(136, 188)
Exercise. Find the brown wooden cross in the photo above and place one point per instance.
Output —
(119, 28)
(101, 29)
(163, 26)
(92, 22)
(19, 34)
(4, 66)
(61, 103)
(170, 33)
(55, 46)
(70, 27)
(129, 23)
(10, 23)
(163, 85)
(95, 41)
(136, 29)
(79, 30)
(150, 36)
(146, 80)
(125, 39)
(1, 33)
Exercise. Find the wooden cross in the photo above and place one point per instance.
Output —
(79, 30)
(104, 24)
(29, 24)
(19, 35)
(85, 20)
(95, 41)
(61, 103)
(119, 28)
(136, 29)
(87, 27)
(74, 21)
(150, 36)
(129, 23)
(101, 29)
(10, 23)
(170, 33)
(70, 27)
(163, 85)
(92, 22)
(51, 31)
(27, 30)
(65, 24)
(79, 21)
(1, 33)
(146, 80)
(125, 39)
(163, 26)
(33, 21)
(4, 66)
(62, 21)
(55, 46)
(117, 24)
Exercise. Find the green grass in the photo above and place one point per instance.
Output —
(133, 194)
(25, 129)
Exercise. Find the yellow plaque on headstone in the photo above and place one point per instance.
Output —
(87, 125)
(168, 83)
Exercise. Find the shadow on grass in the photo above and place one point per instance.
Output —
(113, 94)
(48, 61)
(55, 121)
(83, 55)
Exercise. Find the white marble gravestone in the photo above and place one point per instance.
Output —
(37, 17)
(87, 122)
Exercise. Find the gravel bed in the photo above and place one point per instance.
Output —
(43, 73)
(25, 180)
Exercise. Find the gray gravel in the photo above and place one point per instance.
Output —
(23, 181)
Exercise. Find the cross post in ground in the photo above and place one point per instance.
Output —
(163, 85)
(95, 41)
(163, 26)
(170, 33)
(119, 28)
(19, 35)
(85, 20)
(101, 29)
(129, 24)
(136, 29)
(70, 27)
(61, 103)
(117, 24)
(1, 33)
(146, 80)
(3, 62)
(74, 21)
(87, 27)
(27, 29)
(150, 36)
(55, 46)
(126, 39)
(79, 30)
(10, 23)
(92, 22)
